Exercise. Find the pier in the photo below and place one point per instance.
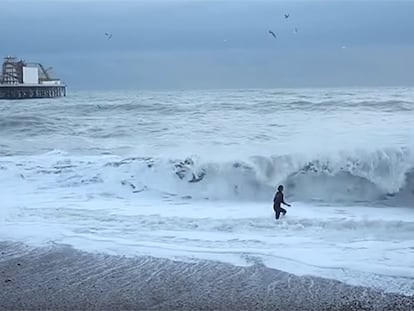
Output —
(20, 80)
(30, 91)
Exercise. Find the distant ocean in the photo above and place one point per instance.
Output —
(191, 175)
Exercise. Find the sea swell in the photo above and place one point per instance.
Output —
(384, 176)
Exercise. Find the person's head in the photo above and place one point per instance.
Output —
(280, 188)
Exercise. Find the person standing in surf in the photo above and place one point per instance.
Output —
(277, 201)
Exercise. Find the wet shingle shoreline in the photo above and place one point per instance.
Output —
(61, 278)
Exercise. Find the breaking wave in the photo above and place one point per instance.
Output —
(381, 176)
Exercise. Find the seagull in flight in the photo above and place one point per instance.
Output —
(109, 35)
(287, 15)
(272, 33)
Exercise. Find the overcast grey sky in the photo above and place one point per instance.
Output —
(213, 44)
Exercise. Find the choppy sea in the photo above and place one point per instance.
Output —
(191, 175)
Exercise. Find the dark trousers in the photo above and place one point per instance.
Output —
(279, 210)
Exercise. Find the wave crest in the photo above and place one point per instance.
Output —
(358, 176)
(385, 176)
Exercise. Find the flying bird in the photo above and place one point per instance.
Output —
(287, 15)
(272, 33)
(109, 35)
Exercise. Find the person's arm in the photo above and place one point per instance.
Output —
(283, 201)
